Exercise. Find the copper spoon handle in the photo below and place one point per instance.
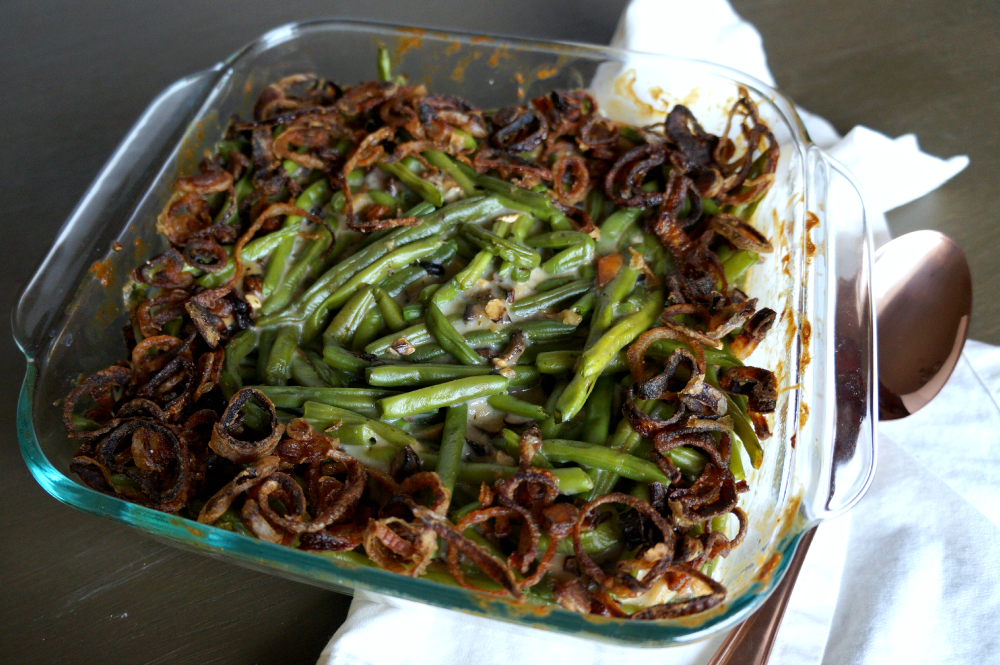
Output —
(751, 642)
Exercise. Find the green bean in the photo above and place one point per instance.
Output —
(303, 372)
(446, 164)
(449, 338)
(343, 360)
(519, 230)
(615, 227)
(511, 251)
(381, 198)
(282, 294)
(423, 188)
(584, 305)
(359, 400)
(600, 457)
(367, 330)
(383, 65)
(596, 358)
(276, 265)
(570, 259)
(391, 311)
(546, 299)
(465, 279)
(602, 538)
(380, 269)
(571, 480)
(264, 351)
(738, 264)
(395, 376)
(597, 413)
(560, 362)
(327, 374)
(413, 312)
(548, 426)
(517, 407)
(321, 416)
(553, 283)
(449, 393)
(344, 325)
(613, 292)
(277, 369)
(237, 348)
(741, 423)
(452, 444)
(557, 239)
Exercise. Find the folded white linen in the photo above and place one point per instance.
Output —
(916, 542)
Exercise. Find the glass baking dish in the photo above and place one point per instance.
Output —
(819, 461)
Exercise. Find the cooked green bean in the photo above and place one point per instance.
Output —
(517, 407)
(511, 251)
(435, 397)
(570, 259)
(395, 376)
(391, 311)
(452, 444)
(542, 301)
(424, 188)
(449, 338)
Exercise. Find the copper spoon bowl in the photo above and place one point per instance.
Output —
(923, 292)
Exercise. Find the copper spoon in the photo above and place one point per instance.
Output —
(923, 301)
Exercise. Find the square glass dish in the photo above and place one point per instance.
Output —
(819, 461)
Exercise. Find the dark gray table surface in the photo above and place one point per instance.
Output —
(79, 589)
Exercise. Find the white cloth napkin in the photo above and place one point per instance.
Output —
(921, 581)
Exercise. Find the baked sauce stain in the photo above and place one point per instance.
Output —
(459, 72)
(546, 73)
(625, 88)
(453, 48)
(103, 271)
(770, 565)
(803, 414)
(500, 52)
(479, 40)
(812, 221)
(415, 40)
(805, 333)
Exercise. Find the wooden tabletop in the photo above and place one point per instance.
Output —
(79, 589)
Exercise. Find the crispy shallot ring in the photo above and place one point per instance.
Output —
(666, 441)
(209, 372)
(622, 584)
(634, 165)
(249, 477)
(140, 407)
(258, 524)
(637, 350)
(164, 271)
(740, 233)
(744, 343)
(494, 568)
(507, 164)
(144, 366)
(205, 254)
(716, 543)
(730, 318)
(681, 608)
(658, 387)
(123, 436)
(643, 423)
(336, 538)
(100, 386)
(531, 441)
(576, 168)
(336, 504)
(428, 480)
(713, 494)
(244, 452)
(758, 385)
(366, 96)
(170, 306)
(598, 132)
(518, 129)
(93, 475)
(162, 385)
(393, 543)
(289, 493)
(301, 136)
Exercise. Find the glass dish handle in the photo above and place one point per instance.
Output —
(850, 464)
(82, 239)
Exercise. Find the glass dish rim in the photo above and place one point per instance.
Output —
(295, 563)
